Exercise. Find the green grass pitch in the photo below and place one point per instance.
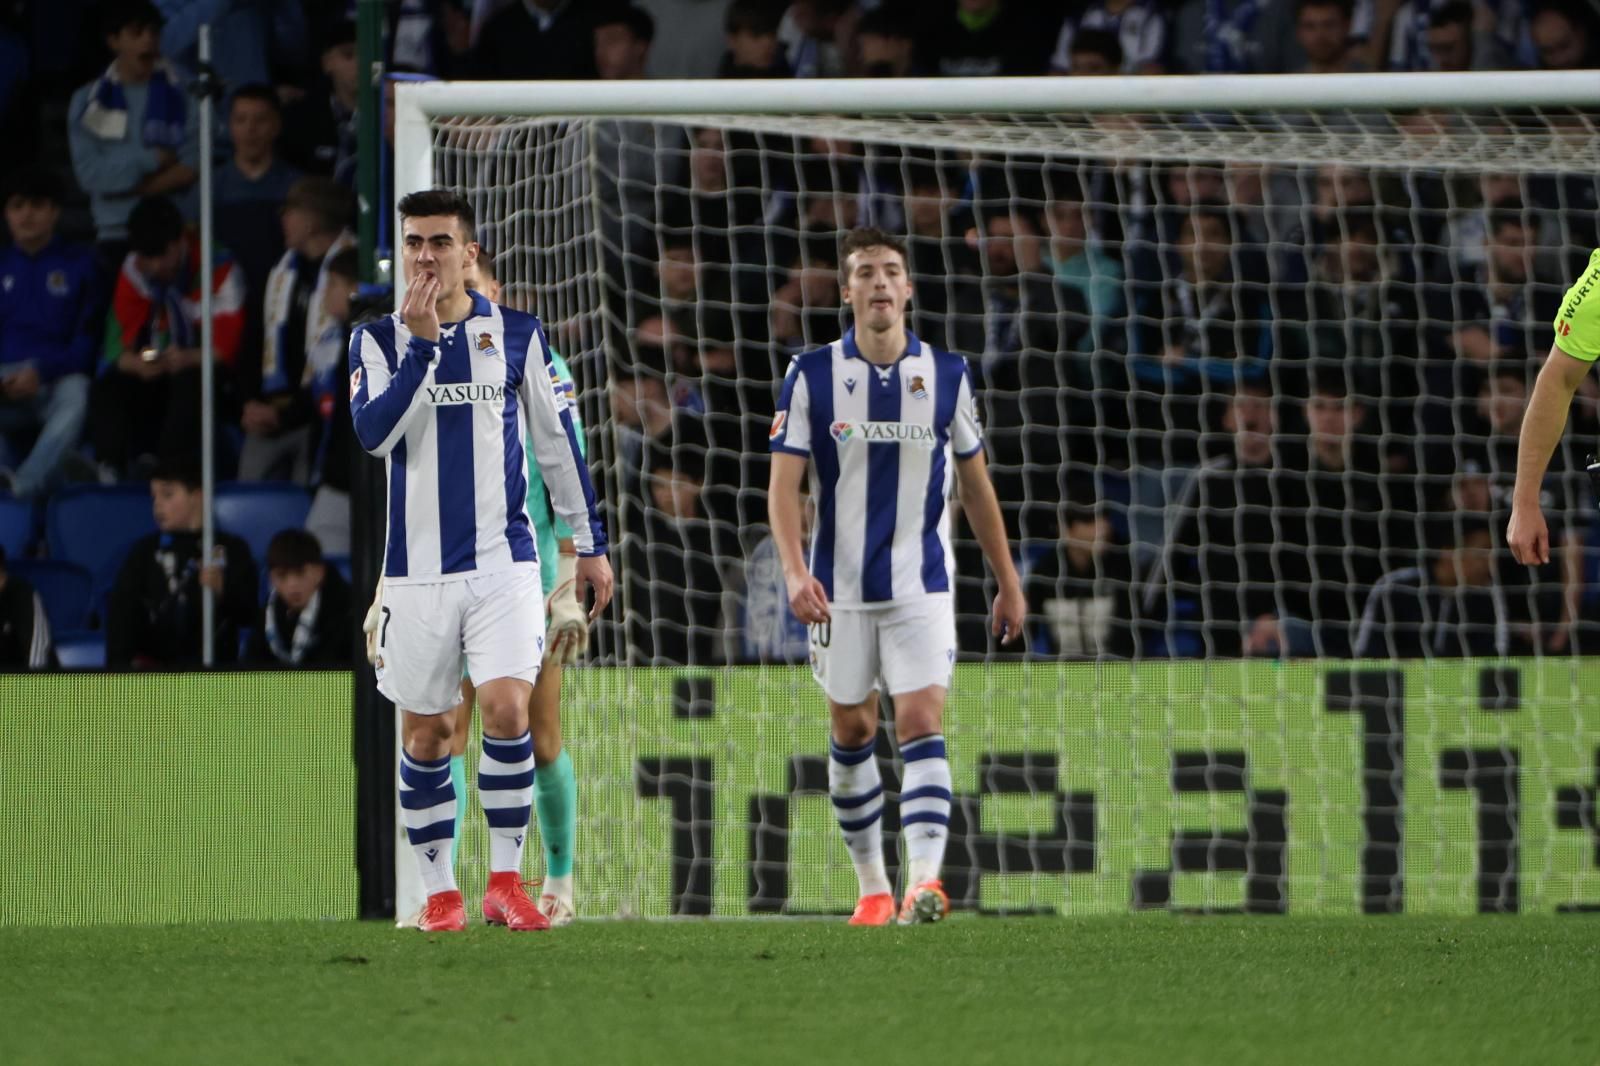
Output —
(1148, 989)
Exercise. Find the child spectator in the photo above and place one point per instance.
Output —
(154, 619)
(752, 35)
(147, 398)
(278, 421)
(884, 46)
(131, 130)
(1137, 27)
(622, 38)
(50, 295)
(1078, 593)
(307, 620)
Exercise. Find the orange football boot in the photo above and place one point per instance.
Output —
(507, 903)
(876, 909)
(445, 913)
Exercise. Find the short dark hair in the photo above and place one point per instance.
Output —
(185, 472)
(153, 225)
(1102, 43)
(486, 263)
(434, 203)
(292, 549)
(119, 15)
(758, 18)
(1328, 379)
(1507, 212)
(345, 264)
(637, 20)
(1457, 12)
(258, 92)
(884, 22)
(864, 237)
(1346, 7)
(324, 199)
(35, 183)
(337, 33)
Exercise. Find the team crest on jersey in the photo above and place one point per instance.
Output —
(842, 431)
(56, 282)
(1563, 330)
(486, 344)
(777, 424)
(355, 382)
(918, 389)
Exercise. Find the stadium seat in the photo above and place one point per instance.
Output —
(94, 525)
(16, 527)
(67, 590)
(81, 650)
(257, 510)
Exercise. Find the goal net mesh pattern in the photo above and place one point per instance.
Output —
(1251, 386)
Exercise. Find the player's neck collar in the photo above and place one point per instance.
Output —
(852, 351)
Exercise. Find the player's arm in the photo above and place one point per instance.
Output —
(382, 407)
(566, 476)
(790, 443)
(1542, 426)
(982, 508)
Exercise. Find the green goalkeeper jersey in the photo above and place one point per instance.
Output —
(1578, 321)
(547, 527)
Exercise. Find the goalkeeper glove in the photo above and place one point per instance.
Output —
(568, 628)
(369, 625)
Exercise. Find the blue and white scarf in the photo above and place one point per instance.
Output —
(305, 630)
(1230, 46)
(165, 109)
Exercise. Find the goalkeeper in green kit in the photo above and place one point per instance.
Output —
(1576, 348)
(555, 788)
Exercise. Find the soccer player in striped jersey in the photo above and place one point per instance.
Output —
(448, 390)
(1577, 346)
(886, 424)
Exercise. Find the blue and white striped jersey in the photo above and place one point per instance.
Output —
(879, 440)
(452, 421)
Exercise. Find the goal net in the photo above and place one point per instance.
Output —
(1251, 355)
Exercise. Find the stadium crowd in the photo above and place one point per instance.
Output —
(1231, 409)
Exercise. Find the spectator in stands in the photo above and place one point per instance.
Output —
(300, 341)
(132, 130)
(1332, 520)
(884, 46)
(1496, 32)
(1078, 592)
(1322, 29)
(146, 400)
(1564, 36)
(622, 38)
(1080, 264)
(810, 32)
(769, 632)
(536, 40)
(329, 518)
(716, 199)
(50, 302)
(1136, 28)
(1217, 590)
(1094, 54)
(253, 42)
(1233, 36)
(641, 410)
(308, 619)
(249, 192)
(983, 38)
(805, 308)
(1452, 42)
(1446, 607)
(154, 619)
(752, 37)
(1501, 308)
(321, 126)
(25, 639)
(944, 273)
(676, 592)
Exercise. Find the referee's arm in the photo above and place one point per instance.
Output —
(1528, 536)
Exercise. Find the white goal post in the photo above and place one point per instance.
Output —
(1438, 126)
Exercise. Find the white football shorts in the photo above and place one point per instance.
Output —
(491, 623)
(903, 647)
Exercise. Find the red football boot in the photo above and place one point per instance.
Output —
(876, 909)
(445, 913)
(507, 903)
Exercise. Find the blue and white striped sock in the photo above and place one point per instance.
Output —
(428, 806)
(505, 791)
(924, 807)
(857, 793)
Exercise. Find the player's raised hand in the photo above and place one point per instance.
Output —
(594, 572)
(1010, 614)
(420, 308)
(807, 599)
(1528, 536)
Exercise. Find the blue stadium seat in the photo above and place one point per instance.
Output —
(16, 526)
(66, 588)
(257, 510)
(94, 525)
(81, 650)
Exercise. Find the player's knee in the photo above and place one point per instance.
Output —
(917, 714)
(427, 736)
(855, 724)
